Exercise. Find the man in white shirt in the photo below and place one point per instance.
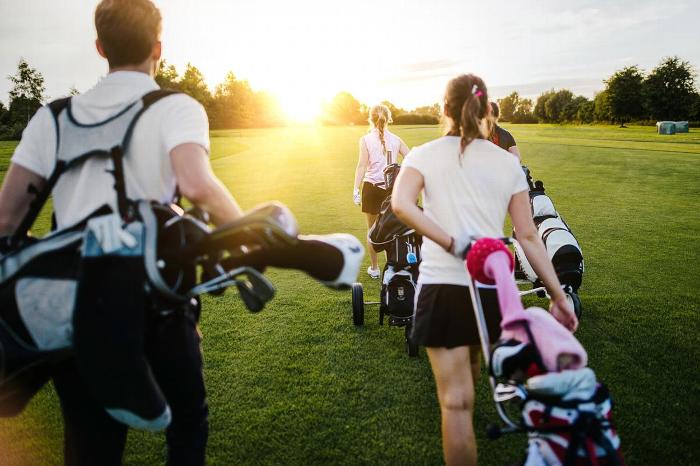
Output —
(169, 148)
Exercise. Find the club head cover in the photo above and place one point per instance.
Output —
(513, 360)
(479, 252)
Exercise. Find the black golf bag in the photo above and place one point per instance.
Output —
(92, 290)
(402, 245)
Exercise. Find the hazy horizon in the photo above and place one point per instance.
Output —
(402, 51)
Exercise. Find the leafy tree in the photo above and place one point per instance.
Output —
(27, 93)
(343, 109)
(554, 107)
(586, 112)
(695, 108)
(540, 110)
(434, 110)
(570, 110)
(508, 106)
(395, 111)
(625, 94)
(523, 113)
(4, 114)
(669, 89)
(233, 104)
(268, 111)
(192, 83)
(601, 107)
(167, 77)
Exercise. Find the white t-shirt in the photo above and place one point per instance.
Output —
(375, 153)
(171, 121)
(468, 197)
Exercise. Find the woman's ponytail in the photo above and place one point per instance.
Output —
(466, 103)
(380, 117)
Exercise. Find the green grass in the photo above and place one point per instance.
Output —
(298, 384)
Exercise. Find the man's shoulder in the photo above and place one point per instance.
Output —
(176, 99)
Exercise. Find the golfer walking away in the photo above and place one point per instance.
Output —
(468, 186)
(169, 148)
(377, 147)
(499, 136)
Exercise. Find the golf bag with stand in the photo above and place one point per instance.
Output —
(561, 245)
(541, 372)
(400, 273)
(93, 290)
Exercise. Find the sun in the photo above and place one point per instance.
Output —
(300, 107)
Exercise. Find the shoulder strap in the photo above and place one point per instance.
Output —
(117, 152)
(40, 197)
(56, 108)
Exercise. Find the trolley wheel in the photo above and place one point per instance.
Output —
(411, 347)
(575, 302)
(358, 304)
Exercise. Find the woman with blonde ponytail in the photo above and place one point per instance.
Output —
(468, 186)
(377, 147)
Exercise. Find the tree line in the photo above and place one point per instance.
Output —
(232, 104)
(668, 92)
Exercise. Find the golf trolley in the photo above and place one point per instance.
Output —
(400, 273)
(397, 295)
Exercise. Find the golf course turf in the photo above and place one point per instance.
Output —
(298, 384)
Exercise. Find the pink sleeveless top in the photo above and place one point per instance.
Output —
(377, 158)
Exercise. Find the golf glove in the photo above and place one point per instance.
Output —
(356, 196)
(460, 244)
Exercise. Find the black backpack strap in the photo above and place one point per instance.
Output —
(117, 152)
(56, 108)
(40, 197)
(148, 100)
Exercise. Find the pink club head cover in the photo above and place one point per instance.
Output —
(479, 252)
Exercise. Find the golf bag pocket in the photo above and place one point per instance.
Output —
(399, 294)
(38, 284)
(404, 251)
(110, 324)
(576, 432)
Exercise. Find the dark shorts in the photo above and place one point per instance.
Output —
(444, 316)
(372, 198)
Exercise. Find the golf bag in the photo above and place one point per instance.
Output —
(560, 243)
(541, 371)
(402, 245)
(93, 289)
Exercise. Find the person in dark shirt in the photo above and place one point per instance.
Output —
(501, 137)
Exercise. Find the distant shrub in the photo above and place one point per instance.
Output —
(416, 119)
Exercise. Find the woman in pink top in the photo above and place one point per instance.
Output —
(376, 148)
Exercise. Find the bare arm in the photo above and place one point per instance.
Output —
(198, 183)
(408, 185)
(15, 198)
(362, 162)
(529, 239)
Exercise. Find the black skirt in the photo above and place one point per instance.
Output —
(444, 316)
(372, 198)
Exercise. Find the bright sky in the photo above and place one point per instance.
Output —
(305, 51)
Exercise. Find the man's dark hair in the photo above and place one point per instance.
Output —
(127, 30)
(495, 111)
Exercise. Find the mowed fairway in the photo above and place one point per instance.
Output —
(297, 384)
